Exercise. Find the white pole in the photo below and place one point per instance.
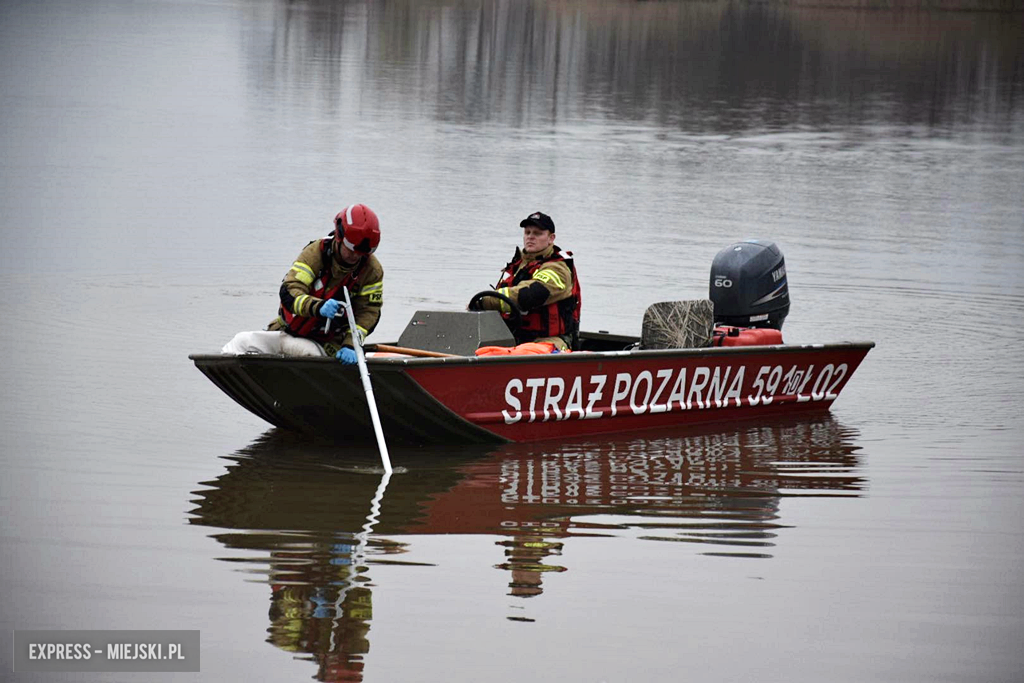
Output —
(364, 374)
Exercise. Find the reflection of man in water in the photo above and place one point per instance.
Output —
(524, 553)
(323, 616)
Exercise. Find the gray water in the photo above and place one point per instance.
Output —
(162, 164)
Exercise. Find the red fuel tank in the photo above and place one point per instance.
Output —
(726, 335)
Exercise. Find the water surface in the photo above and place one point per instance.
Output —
(163, 163)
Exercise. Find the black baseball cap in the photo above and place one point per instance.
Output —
(541, 220)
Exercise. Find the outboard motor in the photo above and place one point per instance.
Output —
(748, 285)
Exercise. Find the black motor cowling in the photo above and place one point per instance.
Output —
(748, 285)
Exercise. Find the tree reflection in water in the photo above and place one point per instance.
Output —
(710, 67)
(307, 513)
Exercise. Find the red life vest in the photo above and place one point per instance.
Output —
(313, 328)
(558, 319)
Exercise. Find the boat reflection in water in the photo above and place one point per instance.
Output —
(318, 520)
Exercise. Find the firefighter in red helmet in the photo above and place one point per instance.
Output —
(311, 293)
(541, 279)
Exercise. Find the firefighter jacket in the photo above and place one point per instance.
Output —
(315, 276)
(545, 286)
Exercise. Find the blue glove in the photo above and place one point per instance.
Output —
(330, 308)
(346, 355)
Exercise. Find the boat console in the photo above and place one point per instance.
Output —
(459, 333)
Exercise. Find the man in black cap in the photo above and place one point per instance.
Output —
(541, 280)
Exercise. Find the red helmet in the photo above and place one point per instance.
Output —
(358, 228)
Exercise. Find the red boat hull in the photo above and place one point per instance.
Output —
(532, 398)
(607, 393)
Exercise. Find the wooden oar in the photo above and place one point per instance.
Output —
(387, 348)
(364, 374)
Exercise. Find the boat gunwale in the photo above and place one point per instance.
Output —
(574, 357)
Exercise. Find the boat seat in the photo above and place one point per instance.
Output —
(678, 325)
